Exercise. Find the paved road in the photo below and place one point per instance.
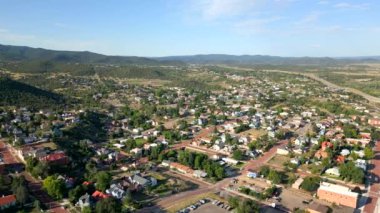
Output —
(374, 190)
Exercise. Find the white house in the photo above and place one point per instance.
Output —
(116, 191)
(230, 161)
(333, 171)
(360, 163)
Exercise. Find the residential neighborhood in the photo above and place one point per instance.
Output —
(286, 143)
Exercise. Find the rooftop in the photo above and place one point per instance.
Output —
(5, 200)
(337, 189)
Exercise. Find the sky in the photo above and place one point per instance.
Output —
(186, 27)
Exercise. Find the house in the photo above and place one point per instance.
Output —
(326, 144)
(317, 208)
(142, 181)
(7, 201)
(84, 201)
(333, 171)
(57, 158)
(165, 163)
(314, 140)
(230, 161)
(300, 141)
(374, 122)
(181, 168)
(361, 141)
(321, 154)
(116, 191)
(340, 159)
(282, 150)
(345, 152)
(136, 151)
(69, 182)
(360, 163)
(297, 183)
(338, 194)
(252, 174)
(118, 145)
(98, 195)
(200, 174)
(295, 161)
(29, 151)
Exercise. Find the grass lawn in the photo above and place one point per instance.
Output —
(253, 133)
(140, 142)
(278, 160)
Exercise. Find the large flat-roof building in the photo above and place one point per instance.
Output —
(337, 194)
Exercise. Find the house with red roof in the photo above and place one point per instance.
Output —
(7, 201)
(340, 159)
(57, 158)
(327, 144)
(181, 168)
(98, 195)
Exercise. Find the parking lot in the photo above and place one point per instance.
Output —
(210, 208)
(207, 205)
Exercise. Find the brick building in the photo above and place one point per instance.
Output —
(374, 122)
(340, 195)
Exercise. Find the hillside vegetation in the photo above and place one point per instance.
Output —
(14, 93)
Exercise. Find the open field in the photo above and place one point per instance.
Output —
(278, 160)
(253, 133)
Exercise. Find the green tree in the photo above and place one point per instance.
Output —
(109, 205)
(274, 176)
(238, 154)
(86, 209)
(55, 187)
(22, 194)
(264, 171)
(369, 153)
(19, 188)
(74, 194)
(350, 172)
(103, 180)
(350, 131)
(311, 183)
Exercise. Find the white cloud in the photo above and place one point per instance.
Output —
(345, 5)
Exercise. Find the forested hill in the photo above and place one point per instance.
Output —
(20, 54)
(14, 93)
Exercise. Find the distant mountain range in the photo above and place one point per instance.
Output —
(23, 53)
(264, 59)
(38, 55)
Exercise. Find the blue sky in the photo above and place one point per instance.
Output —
(183, 27)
